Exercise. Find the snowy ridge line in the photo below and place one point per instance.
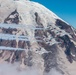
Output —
(10, 48)
(17, 26)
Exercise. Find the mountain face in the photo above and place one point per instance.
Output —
(34, 36)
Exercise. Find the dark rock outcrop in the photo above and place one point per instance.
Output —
(50, 60)
(12, 18)
(70, 48)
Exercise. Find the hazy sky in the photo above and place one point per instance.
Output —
(66, 9)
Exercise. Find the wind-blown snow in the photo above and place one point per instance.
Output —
(16, 26)
(16, 37)
(10, 48)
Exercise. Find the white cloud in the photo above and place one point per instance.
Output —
(12, 69)
(54, 72)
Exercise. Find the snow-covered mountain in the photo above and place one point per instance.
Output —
(34, 36)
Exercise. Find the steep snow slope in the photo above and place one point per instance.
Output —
(34, 36)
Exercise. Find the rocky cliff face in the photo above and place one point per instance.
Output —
(34, 36)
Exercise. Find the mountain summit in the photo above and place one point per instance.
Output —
(34, 36)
